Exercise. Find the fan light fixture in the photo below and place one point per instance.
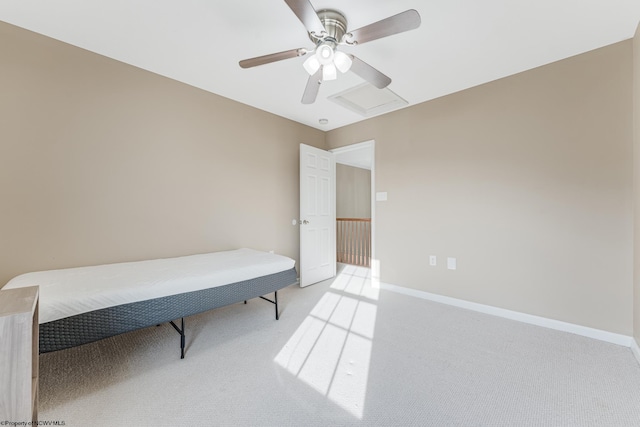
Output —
(329, 59)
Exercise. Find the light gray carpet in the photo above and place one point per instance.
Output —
(343, 353)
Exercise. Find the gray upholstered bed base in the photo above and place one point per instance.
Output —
(96, 325)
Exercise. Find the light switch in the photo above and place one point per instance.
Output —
(381, 196)
(451, 263)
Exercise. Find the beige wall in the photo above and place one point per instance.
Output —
(636, 182)
(353, 192)
(102, 162)
(527, 181)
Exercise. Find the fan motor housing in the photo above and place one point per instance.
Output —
(335, 23)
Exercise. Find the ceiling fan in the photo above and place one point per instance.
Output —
(327, 29)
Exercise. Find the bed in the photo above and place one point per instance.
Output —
(86, 304)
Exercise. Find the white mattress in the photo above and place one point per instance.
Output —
(72, 291)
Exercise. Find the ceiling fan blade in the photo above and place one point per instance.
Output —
(312, 88)
(369, 73)
(405, 21)
(266, 59)
(307, 15)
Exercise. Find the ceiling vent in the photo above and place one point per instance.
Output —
(367, 100)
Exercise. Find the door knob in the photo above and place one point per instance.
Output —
(303, 221)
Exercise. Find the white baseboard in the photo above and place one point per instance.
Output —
(598, 334)
(635, 349)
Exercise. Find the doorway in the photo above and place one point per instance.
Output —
(355, 203)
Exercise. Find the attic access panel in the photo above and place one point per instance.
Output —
(367, 100)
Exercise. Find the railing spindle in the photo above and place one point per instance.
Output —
(359, 243)
(351, 238)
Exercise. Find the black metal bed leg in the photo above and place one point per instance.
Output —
(274, 302)
(180, 330)
(182, 338)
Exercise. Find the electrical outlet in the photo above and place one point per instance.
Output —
(433, 260)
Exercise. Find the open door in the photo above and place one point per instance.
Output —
(317, 215)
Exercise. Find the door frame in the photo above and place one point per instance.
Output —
(369, 145)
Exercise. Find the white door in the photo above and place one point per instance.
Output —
(317, 215)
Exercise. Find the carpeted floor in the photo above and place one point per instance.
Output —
(343, 353)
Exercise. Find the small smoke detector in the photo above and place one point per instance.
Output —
(323, 121)
(367, 100)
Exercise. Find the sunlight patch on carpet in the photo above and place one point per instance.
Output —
(331, 349)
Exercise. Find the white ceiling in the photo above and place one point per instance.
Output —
(460, 44)
(357, 155)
